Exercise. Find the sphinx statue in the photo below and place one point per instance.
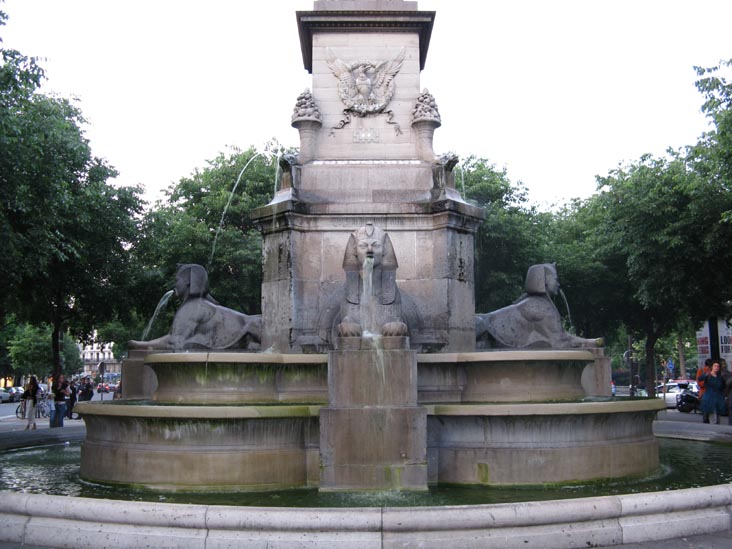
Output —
(201, 323)
(532, 321)
(372, 301)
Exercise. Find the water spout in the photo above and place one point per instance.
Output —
(223, 214)
(569, 314)
(161, 305)
(367, 298)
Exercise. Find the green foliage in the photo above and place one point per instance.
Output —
(66, 233)
(507, 242)
(31, 352)
(205, 220)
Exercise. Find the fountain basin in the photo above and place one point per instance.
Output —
(586, 522)
(503, 376)
(278, 446)
(534, 443)
(256, 378)
(219, 448)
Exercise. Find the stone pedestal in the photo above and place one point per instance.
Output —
(138, 379)
(373, 433)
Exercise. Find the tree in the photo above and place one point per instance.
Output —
(712, 155)
(659, 225)
(205, 220)
(66, 232)
(507, 242)
(31, 352)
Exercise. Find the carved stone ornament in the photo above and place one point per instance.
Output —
(425, 109)
(305, 108)
(364, 87)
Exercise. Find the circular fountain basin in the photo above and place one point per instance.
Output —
(278, 447)
(241, 378)
(503, 376)
(200, 447)
(534, 443)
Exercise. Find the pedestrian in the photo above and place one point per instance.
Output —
(73, 389)
(118, 392)
(60, 392)
(713, 404)
(87, 390)
(31, 395)
(701, 372)
(727, 377)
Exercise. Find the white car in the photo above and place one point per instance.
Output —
(5, 396)
(673, 388)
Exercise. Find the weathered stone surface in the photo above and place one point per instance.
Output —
(373, 434)
(535, 449)
(198, 453)
(200, 322)
(533, 320)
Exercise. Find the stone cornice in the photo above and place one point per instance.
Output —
(309, 22)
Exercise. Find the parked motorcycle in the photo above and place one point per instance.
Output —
(687, 401)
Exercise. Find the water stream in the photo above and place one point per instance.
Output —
(367, 298)
(569, 314)
(158, 309)
(226, 208)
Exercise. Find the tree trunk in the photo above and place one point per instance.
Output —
(651, 364)
(682, 358)
(56, 346)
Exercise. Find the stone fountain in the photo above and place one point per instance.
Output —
(368, 368)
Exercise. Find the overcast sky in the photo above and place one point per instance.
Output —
(556, 91)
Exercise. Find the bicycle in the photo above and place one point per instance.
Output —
(42, 409)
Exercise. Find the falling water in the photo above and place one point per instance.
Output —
(228, 203)
(367, 308)
(278, 171)
(566, 306)
(462, 179)
(161, 305)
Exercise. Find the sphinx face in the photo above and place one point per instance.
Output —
(370, 247)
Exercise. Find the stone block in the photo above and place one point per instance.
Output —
(373, 448)
(372, 378)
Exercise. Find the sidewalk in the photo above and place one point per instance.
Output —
(13, 434)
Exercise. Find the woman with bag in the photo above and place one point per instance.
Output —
(30, 395)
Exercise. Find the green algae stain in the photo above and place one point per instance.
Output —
(483, 473)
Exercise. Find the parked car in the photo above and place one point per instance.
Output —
(103, 388)
(44, 389)
(16, 393)
(4, 395)
(674, 388)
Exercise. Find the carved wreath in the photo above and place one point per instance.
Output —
(365, 87)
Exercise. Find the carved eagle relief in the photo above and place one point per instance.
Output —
(365, 87)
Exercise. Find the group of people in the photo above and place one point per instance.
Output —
(715, 391)
(65, 396)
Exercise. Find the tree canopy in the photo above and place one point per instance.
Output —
(66, 231)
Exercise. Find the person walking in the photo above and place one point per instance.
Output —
(73, 389)
(31, 395)
(700, 373)
(713, 404)
(60, 392)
